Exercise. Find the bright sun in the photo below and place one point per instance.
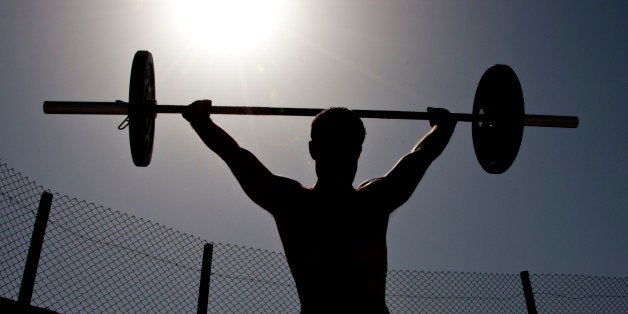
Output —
(227, 26)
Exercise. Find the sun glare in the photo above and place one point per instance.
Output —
(227, 26)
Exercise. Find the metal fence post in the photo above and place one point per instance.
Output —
(34, 251)
(527, 292)
(206, 268)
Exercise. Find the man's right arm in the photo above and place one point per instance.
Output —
(260, 184)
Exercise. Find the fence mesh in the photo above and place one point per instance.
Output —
(430, 292)
(578, 294)
(96, 259)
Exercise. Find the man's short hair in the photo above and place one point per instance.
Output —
(338, 123)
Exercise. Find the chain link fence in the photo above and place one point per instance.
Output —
(579, 294)
(454, 292)
(96, 259)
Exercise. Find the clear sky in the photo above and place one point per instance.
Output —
(561, 208)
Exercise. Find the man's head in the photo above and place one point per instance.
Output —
(337, 136)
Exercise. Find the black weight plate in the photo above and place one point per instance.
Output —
(497, 138)
(142, 108)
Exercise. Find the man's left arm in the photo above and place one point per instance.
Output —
(400, 182)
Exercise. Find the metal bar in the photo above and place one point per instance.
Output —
(551, 121)
(206, 269)
(121, 108)
(235, 110)
(86, 107)
(529, 120)
(310, 112)
(527, 292)
(34, 251)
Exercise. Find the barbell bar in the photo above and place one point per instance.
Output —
(497, 120)
(122, 108)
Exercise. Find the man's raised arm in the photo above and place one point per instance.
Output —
(400, 182)
(262, 186)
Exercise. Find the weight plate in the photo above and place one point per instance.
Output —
(142, 103)
(498, 132)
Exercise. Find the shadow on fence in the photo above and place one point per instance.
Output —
(96, 259)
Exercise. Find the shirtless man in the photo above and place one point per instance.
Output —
(333, 235)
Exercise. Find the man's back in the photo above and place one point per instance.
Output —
(335, 243)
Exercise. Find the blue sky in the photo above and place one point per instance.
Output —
(561, 208)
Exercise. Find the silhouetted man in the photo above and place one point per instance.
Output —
(334, 235)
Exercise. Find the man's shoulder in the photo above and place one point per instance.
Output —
(290, 185)
(286, 193)
(373, 189)
(381, 193)
(370, 185)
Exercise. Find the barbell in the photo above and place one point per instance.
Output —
(497, 119)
